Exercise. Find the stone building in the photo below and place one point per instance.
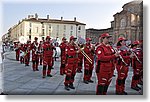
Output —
(33, 26)
(129, 22)
(95, 33)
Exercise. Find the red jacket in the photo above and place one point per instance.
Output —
(124, 52)
(63, 47)
(105, 57)
(47, 49)
(71, 54)
(135, 62)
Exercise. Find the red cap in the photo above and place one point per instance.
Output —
(136, 42)
(35, 38)
(48, 37)
(88, 39)
(72, 37)
(121, 38)
(63, 38)
(105, 35)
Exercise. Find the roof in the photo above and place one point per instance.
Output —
(54, 21)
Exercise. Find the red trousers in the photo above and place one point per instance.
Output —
(35, 61)
(17, 55)
(27, 59)
(122, 75)
(47, 61)
(104, 79)
(88, 69)
(62, 66)
(70, 71)
(136, 76)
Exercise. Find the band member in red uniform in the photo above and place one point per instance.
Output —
(63, 56)
(137, 65)
(27, 52)
(16, 46)
(88, 67)
(104, 64)
(47, 57)
(122, 66)
(22, 50)
(70, 68)
(80, 60)
(40, 52)
(35, 54)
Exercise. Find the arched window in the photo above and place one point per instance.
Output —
(122, 23)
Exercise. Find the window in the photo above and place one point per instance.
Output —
(71, 32)
(30, 24)
(122, 23)
(36, 29)
(79, 28)
(42, 25)
(50, 26)
(43, 32)
(57, 27)
(64, 27)
(30, 31)
(71, 27)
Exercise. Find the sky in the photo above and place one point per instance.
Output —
(94, 13)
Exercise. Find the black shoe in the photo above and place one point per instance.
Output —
(71, 86)
(67, 88)
(49, 75)
(90, 81)
(135, 88)
(125, 93)
(52, 68)
(37, 69)
(86, 82)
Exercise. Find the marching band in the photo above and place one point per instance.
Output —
(77, 57)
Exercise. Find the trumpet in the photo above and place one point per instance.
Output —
(116, 50)
(135, 55)
(84, 54)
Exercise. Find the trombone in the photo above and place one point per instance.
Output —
(84, 54)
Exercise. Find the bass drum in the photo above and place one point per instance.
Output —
(57, 52)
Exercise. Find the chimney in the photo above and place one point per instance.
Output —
(61, 18)
(74, 18)
(47, 17)
(36, 16)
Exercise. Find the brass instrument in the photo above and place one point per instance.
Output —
(84, 54)
(116, 50)
(135, 55)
